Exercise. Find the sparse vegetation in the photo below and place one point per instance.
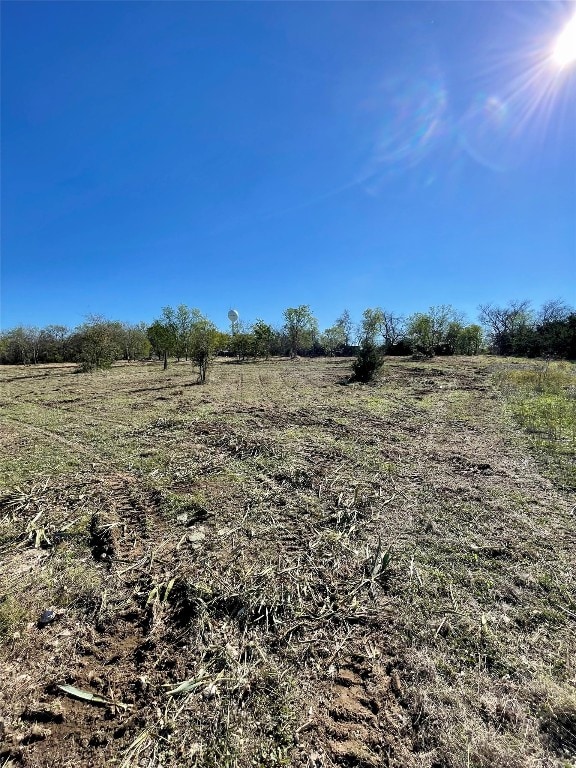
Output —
(275, 569)
(542, 398)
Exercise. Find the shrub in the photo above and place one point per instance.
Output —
(368, 362)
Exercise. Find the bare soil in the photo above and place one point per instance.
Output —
(280, 568)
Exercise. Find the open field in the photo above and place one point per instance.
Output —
(278, 568)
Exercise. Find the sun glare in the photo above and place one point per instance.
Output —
(565, 49)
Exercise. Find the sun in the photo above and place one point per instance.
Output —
(564, 52)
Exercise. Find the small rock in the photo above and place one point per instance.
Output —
(46, 617)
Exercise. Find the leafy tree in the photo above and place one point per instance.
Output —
(98, 342)
(372, 320)
(452, 337)
(514, 329)
(163, 338)
(34, 335)
(21, 345)
(242, 342)
(301, 328)
(555, 330)
(135, 341)
(263, 338)
(428, 332)
(184, 319)
(333, 339)
(172, 324)
(53, 343)
(420, 334)
(469, 341)
(4, 344)
(204, 338)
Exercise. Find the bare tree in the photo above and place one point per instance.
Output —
(554, 311)
(345, 323)
(393, 328)
(381, 324)
(504, 323)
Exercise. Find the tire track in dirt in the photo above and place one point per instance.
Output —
(363, 723)
(108, 655)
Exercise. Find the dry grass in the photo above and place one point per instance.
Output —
(281, 569)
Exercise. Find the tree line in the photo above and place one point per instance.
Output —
(185, 333)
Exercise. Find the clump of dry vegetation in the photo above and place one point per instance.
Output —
(278, 569)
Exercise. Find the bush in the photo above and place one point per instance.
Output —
(368, 362)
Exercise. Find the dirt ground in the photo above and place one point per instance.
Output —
(280, 568)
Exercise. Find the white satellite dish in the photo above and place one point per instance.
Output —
(233, 316)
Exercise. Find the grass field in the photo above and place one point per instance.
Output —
(280, 568)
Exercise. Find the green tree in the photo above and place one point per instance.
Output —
(372, 320)
(301, 328)
(135, 341)
(21, 345)
(451, 341)
(427, 332)
(333, 340)
(469, 340)
(163, 338)
(242, 341)
(263, 338)
(204, 339)
(184, 318)
(171, 321)
(98, 342)
(53, 343)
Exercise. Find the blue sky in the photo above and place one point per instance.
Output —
(266, 155)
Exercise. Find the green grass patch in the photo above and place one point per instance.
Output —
(542, 399)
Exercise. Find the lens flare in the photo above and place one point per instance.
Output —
(415, 111)
(488, 133)
(565, 49)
